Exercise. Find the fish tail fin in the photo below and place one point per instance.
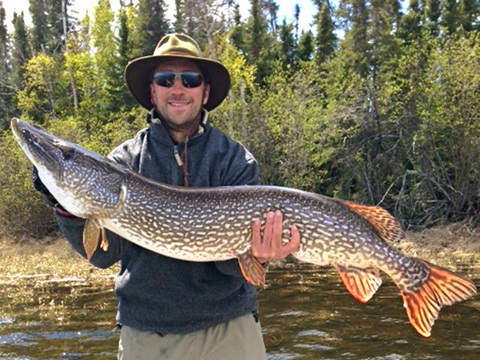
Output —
(442, 287)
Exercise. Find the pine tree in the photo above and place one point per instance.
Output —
(238, 31)
(257, 30)
(450, 19)
(20, 49)
(179, 23)
(469, 14)
(433, 9)
(325, 41)
(288, 46)
(411, 24)
(149, 26)
(6, 91)
(305, 46)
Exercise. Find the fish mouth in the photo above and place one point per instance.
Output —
(40, 147)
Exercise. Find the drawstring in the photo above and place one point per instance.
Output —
(182, 160)
(185, 163)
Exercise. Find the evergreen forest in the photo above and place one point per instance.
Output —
(377, 102)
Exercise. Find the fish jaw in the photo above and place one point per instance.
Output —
(84, 183)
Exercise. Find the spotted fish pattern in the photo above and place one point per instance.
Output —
(215, 224)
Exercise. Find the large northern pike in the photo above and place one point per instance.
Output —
(213, 224)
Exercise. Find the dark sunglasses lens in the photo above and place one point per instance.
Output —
(191, 80)
(165, 79)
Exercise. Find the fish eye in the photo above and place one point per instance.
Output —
(67, 152)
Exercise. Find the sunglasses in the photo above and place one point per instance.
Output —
(188, 79)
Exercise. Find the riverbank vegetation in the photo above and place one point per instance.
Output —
(377, 103)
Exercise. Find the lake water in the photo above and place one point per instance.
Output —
(306, 313)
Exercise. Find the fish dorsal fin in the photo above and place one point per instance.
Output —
(383, 222)
(361, 283)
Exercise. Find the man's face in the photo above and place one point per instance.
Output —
(178, 105)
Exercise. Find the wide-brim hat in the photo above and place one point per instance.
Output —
(139, 72)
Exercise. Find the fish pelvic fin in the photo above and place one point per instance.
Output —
(442, 287)
(251, 268)
(92, 234)
(387, 226)
(361, 283)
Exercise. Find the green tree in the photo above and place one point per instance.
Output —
(287, 45)
(306, 46)
(6, 89)
(410, 28)
(179, 23)
(20, 49)
(326, 40)
(433, 10)
(149, 26)
(450, 19)
(40, 28)
(469, 14)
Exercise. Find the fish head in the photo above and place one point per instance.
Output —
(83, 182)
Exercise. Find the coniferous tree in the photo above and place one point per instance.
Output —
(411, 24)
(306, 46)
(257, 30)
(20, 49)
(469, 14)
(179, 24)
(124, 50)
(325, 41)
(238, 31)
(450, 19)
(288, 46)
(149, 26)
(39, 31)
(6, 91)
(56, 24)
(433, 10)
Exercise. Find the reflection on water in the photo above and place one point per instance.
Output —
(306, 313)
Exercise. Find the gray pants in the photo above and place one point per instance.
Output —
(238, 339)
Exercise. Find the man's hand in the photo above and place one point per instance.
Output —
(270, 247)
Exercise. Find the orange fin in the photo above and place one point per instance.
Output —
(387, 226)
(104, 243)
(442, 287)
(251, 268)
(361, 283)
(91, 235)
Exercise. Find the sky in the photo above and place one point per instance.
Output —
(286, 10)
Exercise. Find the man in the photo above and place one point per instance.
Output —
(168, 308)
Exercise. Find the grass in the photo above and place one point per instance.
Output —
(453, 246)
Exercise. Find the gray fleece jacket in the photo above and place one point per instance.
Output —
(161, 294)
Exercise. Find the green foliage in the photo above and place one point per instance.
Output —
(23, 212)
(387, 113)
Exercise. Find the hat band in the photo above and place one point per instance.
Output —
(178, 53)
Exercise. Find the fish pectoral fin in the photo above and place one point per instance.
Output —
(442, 287)
(387, 226)
(361, 283)
(251, 268)
(91, 236)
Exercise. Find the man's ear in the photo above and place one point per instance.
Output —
(206, 93)
(152, 95)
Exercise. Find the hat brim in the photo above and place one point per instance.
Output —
(138, 75)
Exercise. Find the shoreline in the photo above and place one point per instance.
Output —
(454, 246)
